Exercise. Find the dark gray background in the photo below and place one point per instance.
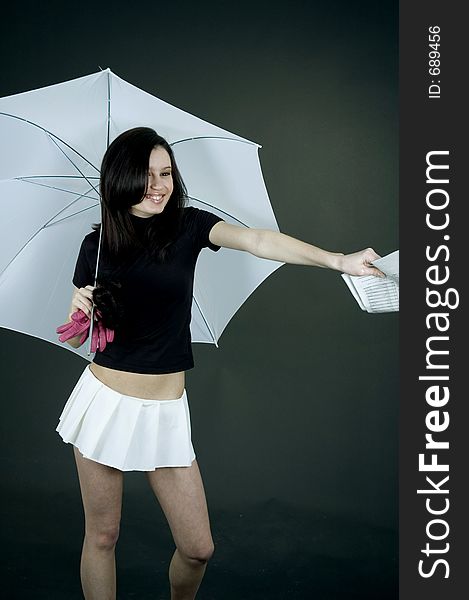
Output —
(295, 415)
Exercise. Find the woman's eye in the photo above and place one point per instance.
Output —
(164, 174)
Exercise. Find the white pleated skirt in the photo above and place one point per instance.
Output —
(125, 432)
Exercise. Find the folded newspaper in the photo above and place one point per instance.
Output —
(377, 294)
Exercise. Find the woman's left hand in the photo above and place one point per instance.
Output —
(360, 263)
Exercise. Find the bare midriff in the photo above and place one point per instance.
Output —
(167, 386)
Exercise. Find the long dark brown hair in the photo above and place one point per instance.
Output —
(123, 183)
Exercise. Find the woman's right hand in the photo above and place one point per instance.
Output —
(82, 299)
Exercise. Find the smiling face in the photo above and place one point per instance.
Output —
(159, 185)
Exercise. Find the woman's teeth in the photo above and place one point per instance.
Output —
(155, 197)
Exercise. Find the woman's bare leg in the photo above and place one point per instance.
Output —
(181, 495)
(101, 492)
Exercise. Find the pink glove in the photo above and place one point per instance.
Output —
(100, 336)
(80, 324)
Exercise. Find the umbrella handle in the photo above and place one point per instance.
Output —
(96, 270)
(90, 335)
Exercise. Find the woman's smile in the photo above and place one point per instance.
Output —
(159, 185)
(156, 198)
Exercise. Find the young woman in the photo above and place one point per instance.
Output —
(129, 410)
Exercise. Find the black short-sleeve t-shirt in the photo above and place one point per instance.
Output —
(154, 335)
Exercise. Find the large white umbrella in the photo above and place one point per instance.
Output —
(52, 141)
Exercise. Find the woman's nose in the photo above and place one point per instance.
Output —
(155, 183)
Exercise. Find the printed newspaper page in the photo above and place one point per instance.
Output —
(376, 294)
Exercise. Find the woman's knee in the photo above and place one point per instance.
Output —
(103, 538)
(201, 553)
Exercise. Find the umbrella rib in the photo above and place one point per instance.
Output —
(52, 187)
(39, 231)
(76, 166)
(205, 321)
(214, 137)
(51, 177)
(219, 210)
(108, 108)
(71, 215)
(51, 135)
(65, 208)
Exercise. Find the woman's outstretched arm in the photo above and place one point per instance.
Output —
(278, 246)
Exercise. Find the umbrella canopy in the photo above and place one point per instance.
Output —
(51, 146)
